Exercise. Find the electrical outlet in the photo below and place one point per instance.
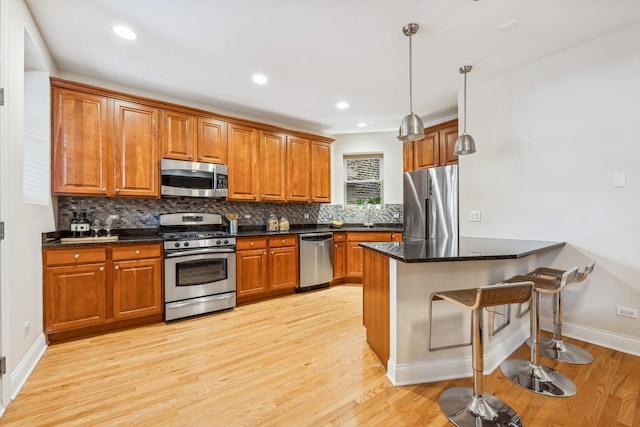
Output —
(114, 217)
(27, 328)
(247, 216)
(396, 215)
(306, 216)
(475, 216)
(627, 312)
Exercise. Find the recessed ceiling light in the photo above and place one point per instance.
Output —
(124, 32)
(342, 105)
(260, 79)
(362, 125)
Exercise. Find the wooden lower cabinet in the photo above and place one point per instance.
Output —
(355, 251)
(375, 303)
(339, 256)
(266, 267)
(95, 289)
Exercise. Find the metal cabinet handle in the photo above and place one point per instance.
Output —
(117, 267)
(251, 243)
(265, 252)
(76, 256)
(255, 197)
(101, 268)
(117, 190)
(199, 157)
(283, 241)
(104, 190)
(190, 157)
(272, 252)
(137, 251)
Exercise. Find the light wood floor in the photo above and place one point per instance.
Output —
(295, 361)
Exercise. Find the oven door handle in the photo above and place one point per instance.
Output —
(199, 252)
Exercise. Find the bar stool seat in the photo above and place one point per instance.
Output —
(556, 348)
(530, 374)
(472, 407)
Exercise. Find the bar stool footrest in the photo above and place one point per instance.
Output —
(538, 378)
(462, 410)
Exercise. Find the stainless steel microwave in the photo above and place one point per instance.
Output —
(193, 179)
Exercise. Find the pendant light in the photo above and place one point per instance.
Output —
(465, 143)
(411, 127)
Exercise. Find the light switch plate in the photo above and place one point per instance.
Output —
(475, 216)
(619, 180)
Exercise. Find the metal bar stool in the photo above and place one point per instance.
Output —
(530, 374)
(556, 348)
(466, 406)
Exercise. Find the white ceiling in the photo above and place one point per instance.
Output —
(316, 53)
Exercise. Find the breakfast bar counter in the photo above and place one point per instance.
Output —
(398, 281)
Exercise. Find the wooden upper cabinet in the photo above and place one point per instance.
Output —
(191, 138)
(178, 134)
(435, 149)
(212, 141)
(407, 156)
(320, 172)
(136, 150)
(243, 162)
(426, 151)
(298, 166)
(272, 166)
(448, 137)
(82, 143)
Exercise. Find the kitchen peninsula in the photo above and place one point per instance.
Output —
(398, 281)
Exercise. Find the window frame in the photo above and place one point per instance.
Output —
(345, 181)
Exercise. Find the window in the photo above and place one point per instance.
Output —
(363, 184)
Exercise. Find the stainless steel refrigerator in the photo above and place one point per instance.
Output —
(431, 203)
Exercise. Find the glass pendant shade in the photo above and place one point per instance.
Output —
(464, 145)
(411, 128)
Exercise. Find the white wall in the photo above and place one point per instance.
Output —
(21, 251)
(550, 137)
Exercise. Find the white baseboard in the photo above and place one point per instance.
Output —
(623, 343)
(27, 365)
(425, 372)
(451, 368)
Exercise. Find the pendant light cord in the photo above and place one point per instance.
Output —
(410, 76)
(465, 103)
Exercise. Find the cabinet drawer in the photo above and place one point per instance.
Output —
(75, 256)
(132, 252)
(282, 241)
(373, 236)
(247, 243)
(339, 237)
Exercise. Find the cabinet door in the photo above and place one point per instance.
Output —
(298, 166)
(82, 140)
(339, 260)
(136, 150)
(251, 272)
(243, 163)
(448, 137)
(74, 296)
(283, 267)
(426, 151)
(273, 161)
(212, 141)
(320, 172)
(354, 260)
(396, 237)
(178, 134)
(137, 288)
(407, 156)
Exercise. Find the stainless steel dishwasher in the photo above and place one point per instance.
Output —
(316, 260)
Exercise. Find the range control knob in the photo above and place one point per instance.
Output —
(218, 242)
(226, 242)
(186, 243)
(176, 244)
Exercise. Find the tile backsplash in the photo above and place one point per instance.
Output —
(144, 213)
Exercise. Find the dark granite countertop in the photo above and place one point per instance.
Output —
(150, 235)
(465, 249)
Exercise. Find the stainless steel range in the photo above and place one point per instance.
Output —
(199, 265)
